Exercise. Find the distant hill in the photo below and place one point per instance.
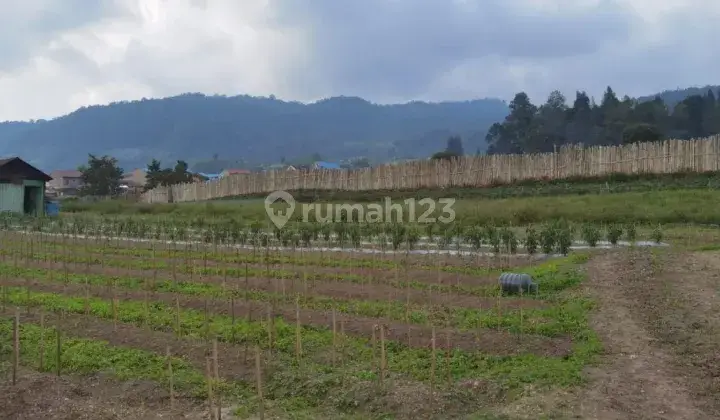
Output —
(257, 130)
(254, 130)
(672, 97)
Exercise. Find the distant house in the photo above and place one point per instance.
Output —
(209, 177)
(65, 182)
(228, 172)
(22, 187)
(325, 165)
(134, 180)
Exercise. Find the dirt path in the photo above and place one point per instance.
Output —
(639, 378)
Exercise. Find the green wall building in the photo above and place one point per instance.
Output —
(22, 187)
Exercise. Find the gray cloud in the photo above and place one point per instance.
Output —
(26, 26)
(385, 47)
(57, 56)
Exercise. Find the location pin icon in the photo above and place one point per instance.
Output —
(279, 219)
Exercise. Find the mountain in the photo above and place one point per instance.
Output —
(255, 130)
(672, 97)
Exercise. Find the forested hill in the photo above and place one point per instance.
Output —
(692, 113)
(256, 130)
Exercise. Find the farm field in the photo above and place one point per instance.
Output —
(666, 206)
(176, 317)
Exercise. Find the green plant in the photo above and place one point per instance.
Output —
(614, 233)
(591, 234)
(657, 234)
(509, 240)
(531, 240)
(548, 237)
(631, 233)
(564, 236)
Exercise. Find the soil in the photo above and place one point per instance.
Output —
(235, 362)
(196, 249)
(371, 275)
(335, 289)
(484, 340)
(44, 396)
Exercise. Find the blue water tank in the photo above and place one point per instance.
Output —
(52, 208)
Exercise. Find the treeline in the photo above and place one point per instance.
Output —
(529, 128)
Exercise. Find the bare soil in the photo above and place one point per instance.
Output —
(485, 340)
(235, 362)
(44, 396)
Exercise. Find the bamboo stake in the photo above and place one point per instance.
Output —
(58, 353)
(258, 374)
(382, 353)
(41, 344)
(16, 346)
(433, 365)
(208, 376)
(170, 378)
(298, 335)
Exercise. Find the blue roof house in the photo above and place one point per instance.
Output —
(210, 177)
(325, 165)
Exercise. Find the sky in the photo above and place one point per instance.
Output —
(56, 56)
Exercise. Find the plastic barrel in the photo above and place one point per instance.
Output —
(517, 282)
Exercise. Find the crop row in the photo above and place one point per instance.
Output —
(556, 236)
(497, 313)
(21, 244)
(282, 337)
(229, 274)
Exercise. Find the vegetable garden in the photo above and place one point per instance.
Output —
(337, 320)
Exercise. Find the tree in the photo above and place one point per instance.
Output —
(156, 176)
(455, 146)
(101, 176)
(640, 133)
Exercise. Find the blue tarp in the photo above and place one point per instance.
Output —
(52, 208)
(327, 165)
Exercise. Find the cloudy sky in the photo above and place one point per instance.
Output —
(56, 56)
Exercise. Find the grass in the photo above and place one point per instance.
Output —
(87, 356)
(649, 207)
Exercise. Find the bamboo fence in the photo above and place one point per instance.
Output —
(697, 155)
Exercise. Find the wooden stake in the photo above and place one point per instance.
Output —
(216, 364)
(16, 346)
(177, 316)
(41, 344)
(334, 338)
(208, 377)
(58, 353)
(115, 312)
(298, 335)
(433, 364)
(382, 352)
(258, 374)
(170, 378)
